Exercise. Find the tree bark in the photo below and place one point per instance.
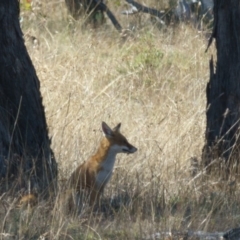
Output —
(223, 88)
(26, 159)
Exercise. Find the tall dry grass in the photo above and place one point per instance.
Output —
(154, 84)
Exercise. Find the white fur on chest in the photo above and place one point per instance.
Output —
(105, 173)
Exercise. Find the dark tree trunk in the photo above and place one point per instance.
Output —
(223, 88)
(26, 158)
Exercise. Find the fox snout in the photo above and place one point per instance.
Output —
(129, 149)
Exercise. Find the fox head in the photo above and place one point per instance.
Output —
(117, 141)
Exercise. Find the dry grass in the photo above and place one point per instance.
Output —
(154, 83)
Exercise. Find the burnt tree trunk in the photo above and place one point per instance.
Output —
(26, 159)
(223, 89)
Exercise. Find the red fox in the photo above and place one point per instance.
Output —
(30, 199)
(94, 174)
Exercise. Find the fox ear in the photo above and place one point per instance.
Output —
(117, 128)
(107, 130)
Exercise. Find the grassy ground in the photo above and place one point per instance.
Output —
(154, 84)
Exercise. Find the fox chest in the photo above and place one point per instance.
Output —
(105, 171)
(103, 177)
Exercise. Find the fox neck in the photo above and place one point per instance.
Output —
(105, 156)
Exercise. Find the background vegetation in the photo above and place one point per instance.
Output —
(154, 83)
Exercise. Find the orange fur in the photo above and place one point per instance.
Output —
(30, 199)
